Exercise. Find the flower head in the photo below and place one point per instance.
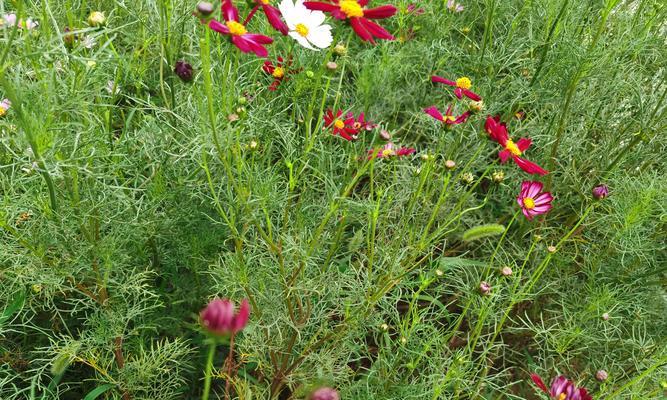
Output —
(237, 32)
(96, 18)
(278, 71)
(184, 70)
(498, 132)
(341, 125)
(324, 393)
(5, 105)
(204, 9)
(390, 150)
(219, 317)
(358, 15)
(454, 6)
(414, 9)
(306, 26)
(600, 192)
(561, 389)
(462, 86)
(532, 200)
(448, 119)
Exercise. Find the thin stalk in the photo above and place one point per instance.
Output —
(209, 370)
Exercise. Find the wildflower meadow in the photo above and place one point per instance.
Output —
(334, 199)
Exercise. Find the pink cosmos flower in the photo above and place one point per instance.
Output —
(360, 123)
(246, 42)
(390, 150)
(219, 318)
(359, 16)
(454, 6)
(561, 389)
(448, 119)
(498, 132)
(532, 200)
(5, 105)
(272, 15)
(413, 9)
(462, 86)
(343, 126)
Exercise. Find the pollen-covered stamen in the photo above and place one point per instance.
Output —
(301, 29)
(464, 83)
(339, 124)
(236, 28)
(562, 396)
(512, 147)
(278, 72)
(388, 152)
(265, 1)
(351, 8)
(529, 203)
(450, 118)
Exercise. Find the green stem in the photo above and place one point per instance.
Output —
(209, 370)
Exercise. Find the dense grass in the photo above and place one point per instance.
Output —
(126, 210)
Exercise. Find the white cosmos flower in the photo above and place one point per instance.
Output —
(305, 26)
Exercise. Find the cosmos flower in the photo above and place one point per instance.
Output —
(219, 317)
(600, 192)
(498, 132)
(10, 20)
(5, 105)
(414, 9)
(324, 393)
(454, 6)
(358, 16)
(390, 150)
(246, 42)
(184, 70)
(340, 125)
(448, 119)
(306, 26)
(278, 71)
(561, 389)
(532, 200)
(272, 15)
(360, 123)
(462, 86)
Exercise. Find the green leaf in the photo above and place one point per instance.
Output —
(92, 395)
(14, 306)
(483, 231)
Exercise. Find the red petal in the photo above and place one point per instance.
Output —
(229, 11)
(433, 112)
(523, 144)
(319, 6)
(376, 30)
(471, 95)
(439, 79)
(538, 381)
(529, 167)
(218, 27)
(273, 16)
(380, 12)
(360, 30)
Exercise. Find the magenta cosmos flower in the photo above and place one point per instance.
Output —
(341, 125)
(390, 150)
(272, 15)
(358, 15)
(448, 119)
(532, 200)
(462, 86)
(246, 42)
(219, 317)
(498, 132)
(561, 389)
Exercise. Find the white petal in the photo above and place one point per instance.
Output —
(321, 37)
(302, 40)
(317, 18)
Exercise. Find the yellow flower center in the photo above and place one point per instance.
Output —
(450, 118)
(265, 1)
(236, 28)
(278, 72)
(2, 111)
(512, 147)
(529, 203)
(464, 83)
(302, 30)
(562, 396)
(351, 8)
(388, 152)
(339, 124)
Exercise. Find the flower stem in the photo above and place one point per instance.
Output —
(209, 369)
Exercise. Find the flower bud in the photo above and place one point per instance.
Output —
(96, 18)
(242, 100)
(332, 66)
(551, 249)
(204, 9)
(184, 70)
(506, 271)
(498, 176)
(605, 317)
(384, 327)
(68, 37)
(477, 106)
(324, 393)
(384, 134)
(253, 145)
(310, 74)
(340, 49)
(601, 375)
(450, 164)
(5, 105)
(220, 319)
(484, 288)
(467, 178)
(438, 272)
(600, 192)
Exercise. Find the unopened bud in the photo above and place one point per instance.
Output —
(450, 164)
(498, 176)
(600, 192)
(506, 271)
(601, 375)
(204, 9)
(340, 49)
(96, 18)
(484, 288)
(467, 178)
(332, 66)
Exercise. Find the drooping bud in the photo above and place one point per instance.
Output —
(601, 375)
(220, 319)
(204, 9)
(484, 288)
(184, 70)
(600, 192)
